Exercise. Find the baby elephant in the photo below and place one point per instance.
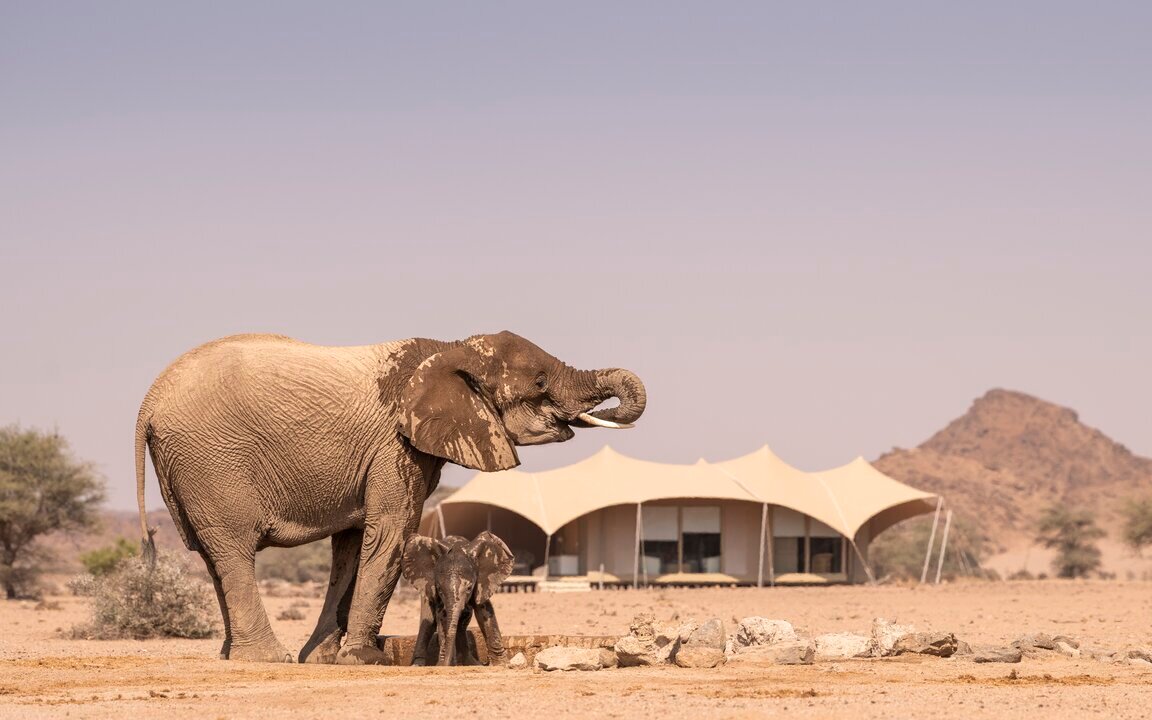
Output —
(456, 578)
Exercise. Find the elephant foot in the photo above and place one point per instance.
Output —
(272, 652)
(324, 653)
(498, 659)
(362, 655)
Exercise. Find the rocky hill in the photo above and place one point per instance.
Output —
(1012, 455)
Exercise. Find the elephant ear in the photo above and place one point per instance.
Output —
(418, 561)
(493, 564)
(445, 411)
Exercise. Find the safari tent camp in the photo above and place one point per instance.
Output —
(752, 520)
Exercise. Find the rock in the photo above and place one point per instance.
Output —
(518, 662)
(686, 629)
(1067, 650)
(924, 643)
(998, 655)
(838, 646)
(1043, 641)
(1067, 640)
(695, 656)
(711, 634)
(963, 648)
(608, 658)
(791, 652)
(1137, 654)
(568, 658)
(884, 636)
(630, 652)
(650, 643)
(756, 631)
(1141, 662)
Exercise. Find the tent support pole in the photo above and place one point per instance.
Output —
(547, 556)
(763, 529)
(636, 555)
(771, 547)
(931, 540)
(863, 562)
(943, 545)
(440, 518)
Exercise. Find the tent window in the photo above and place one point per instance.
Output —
(827, 555)
(701, 539)
(681, 539)
(661, 535)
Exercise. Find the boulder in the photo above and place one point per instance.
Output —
(839, 646)
(1067, 640)
(757, 631)
(884, 636)
(711, 634)
(649, 642)
(608, 658)
(630, 652)
(997, 655)
(790, 652)
(568, 658)
(698, 656)
(1136, 656)
(518, 662)
(926, 643)
(1042, 641)
(1067, 650)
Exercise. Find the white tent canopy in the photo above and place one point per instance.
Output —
(844, 498)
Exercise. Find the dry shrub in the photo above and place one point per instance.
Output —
(291, 613)
(139, 602)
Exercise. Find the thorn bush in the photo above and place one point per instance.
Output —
(139, 602)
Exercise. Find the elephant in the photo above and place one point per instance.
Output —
(456, 578)
(265, 441)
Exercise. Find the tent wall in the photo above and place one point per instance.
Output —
(740, 539)
(610, 538)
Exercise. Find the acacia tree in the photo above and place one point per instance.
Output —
(1138, 523)
(1073, 534)
(43, 488)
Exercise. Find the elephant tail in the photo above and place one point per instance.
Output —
(147, 541)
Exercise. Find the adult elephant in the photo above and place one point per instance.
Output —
(262, 441)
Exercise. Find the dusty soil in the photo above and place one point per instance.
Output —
(45, 674)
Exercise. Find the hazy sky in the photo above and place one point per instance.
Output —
(823, 226)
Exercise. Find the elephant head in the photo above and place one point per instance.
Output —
(473, 402)
(457, 578)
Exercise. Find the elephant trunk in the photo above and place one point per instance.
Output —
(452, 613)
(592, 387)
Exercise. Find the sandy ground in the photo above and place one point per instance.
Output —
(45, 674)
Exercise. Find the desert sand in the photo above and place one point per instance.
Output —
(44, 673)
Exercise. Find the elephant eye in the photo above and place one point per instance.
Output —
(542, 382)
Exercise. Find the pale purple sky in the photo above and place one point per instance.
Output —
(827, 227)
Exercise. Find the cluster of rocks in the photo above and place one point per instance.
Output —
(763, 641)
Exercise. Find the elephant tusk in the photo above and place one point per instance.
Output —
(593, 420)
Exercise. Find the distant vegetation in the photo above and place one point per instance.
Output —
(898, 553)
(137, 601)
(1073, 535)
(104, 560)
(43, 489)
(305, 563)
(1137, 528)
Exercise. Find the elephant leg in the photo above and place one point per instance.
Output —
(226, 647)
(427, 630)
(324, 644)
(486, 619)
(251, 637)
(393, 498)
